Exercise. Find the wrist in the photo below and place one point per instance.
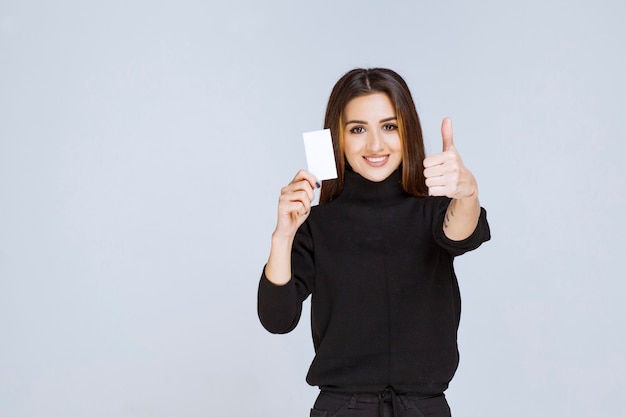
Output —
(280, 236)
(282, 241)
(473, 193)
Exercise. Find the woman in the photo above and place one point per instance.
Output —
(376, 255)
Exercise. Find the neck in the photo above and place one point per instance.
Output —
(358, 188)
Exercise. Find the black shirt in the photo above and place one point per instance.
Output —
(385, 304)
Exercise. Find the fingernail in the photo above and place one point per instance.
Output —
(317, 184)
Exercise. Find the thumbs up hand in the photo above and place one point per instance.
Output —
(445, 173)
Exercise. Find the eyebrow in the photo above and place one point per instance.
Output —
(361, 122)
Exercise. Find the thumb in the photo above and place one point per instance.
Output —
(446, 134)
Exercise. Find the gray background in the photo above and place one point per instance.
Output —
(143, 145)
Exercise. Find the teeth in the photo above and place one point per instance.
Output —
(376, 159)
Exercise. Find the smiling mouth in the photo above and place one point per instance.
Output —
(376, 159)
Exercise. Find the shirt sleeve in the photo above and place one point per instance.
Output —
(459, 247)
(279, 306)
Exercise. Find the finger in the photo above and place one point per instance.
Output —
(295, 208)
(436, 182)
(298, 187)
(307, 176)
(434, 171)
(298, 196)
(292, 206)
(306, 194)
(437, 191)
(434, 160)
(446, 134)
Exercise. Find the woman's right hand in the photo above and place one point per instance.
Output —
(294, 204)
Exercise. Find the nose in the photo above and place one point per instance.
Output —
(375, 141)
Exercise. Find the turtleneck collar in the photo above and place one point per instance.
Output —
(356, 187)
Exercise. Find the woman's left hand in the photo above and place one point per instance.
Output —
(445, 173)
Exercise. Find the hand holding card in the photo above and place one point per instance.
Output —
(320, 157)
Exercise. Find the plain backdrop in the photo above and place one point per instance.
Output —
(143, 145)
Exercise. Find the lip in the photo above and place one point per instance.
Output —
(376, 160)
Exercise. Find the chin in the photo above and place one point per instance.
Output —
(376, 176)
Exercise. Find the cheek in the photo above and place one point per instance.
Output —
(350, 151)
(396, 144)
(399, 151)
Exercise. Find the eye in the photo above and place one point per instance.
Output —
(357, 129)
(390, 126)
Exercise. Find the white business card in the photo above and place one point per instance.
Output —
(320, 157)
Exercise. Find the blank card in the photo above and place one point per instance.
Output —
(320, 157)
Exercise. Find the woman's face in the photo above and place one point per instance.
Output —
(372, 143)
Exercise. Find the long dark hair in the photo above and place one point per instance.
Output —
(360, 82)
